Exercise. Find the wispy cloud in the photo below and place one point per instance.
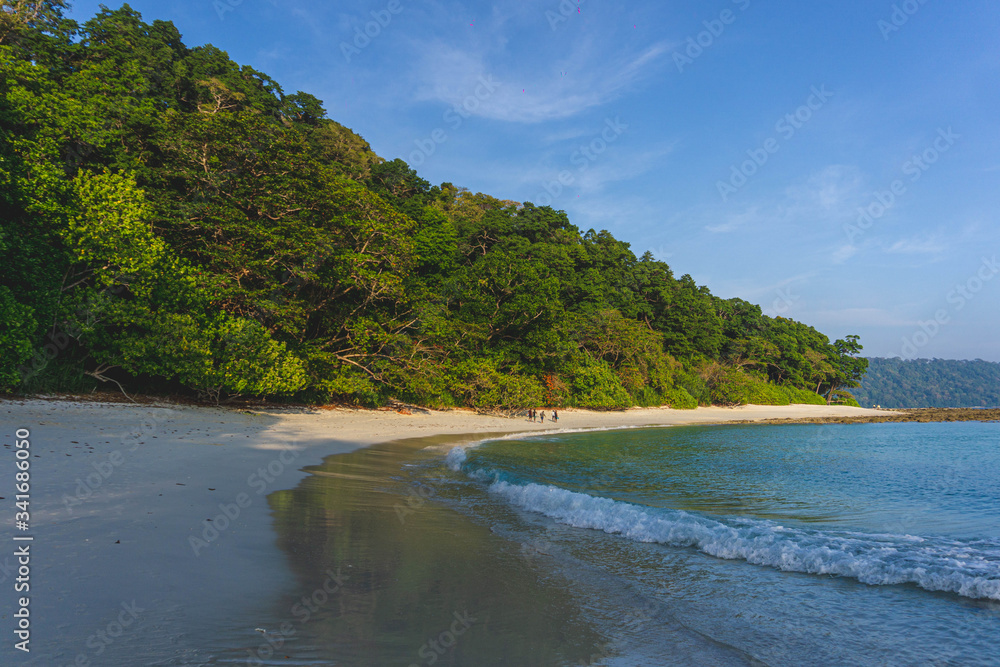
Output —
(918, 246)
(831, 191)
(733, 221)
(450, 74)
(827, 195)
(623, 165)
(844, 253)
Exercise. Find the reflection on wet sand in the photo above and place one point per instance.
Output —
(387, 574)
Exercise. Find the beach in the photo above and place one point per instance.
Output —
(338, 430)
(153, 525)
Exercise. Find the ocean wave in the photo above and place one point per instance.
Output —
(968, 568)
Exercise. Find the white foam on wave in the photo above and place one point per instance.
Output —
(456, 458)
(970, 569)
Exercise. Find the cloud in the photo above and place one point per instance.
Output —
(843, 253)
(832, 191)
(827, 196)
(734, 221)
(924, 246)
(526, 92)
(618, 165)
(620, 162)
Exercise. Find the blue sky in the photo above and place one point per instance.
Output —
(737, 140)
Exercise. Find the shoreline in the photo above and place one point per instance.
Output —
(352, 428)
(897, 416)
(339, 430)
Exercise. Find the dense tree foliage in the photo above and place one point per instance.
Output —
(930, 383)
(172, 221)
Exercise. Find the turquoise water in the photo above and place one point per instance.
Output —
(864, 544)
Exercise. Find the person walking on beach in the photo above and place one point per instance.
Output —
(542, 415)
(555, 416)
(531, 414)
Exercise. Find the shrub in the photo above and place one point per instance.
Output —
(734, 386)
(15, 338)
(344, 383)
(595, 385)
(845, 398)
(695, 387)
(802, 396)
(482, 385)
(679, 399)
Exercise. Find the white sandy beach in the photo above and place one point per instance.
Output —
(344, 430)
(365, 427)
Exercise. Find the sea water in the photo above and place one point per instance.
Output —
(862, 544)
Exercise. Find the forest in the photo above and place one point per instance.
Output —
(174, 223)
(930, 383)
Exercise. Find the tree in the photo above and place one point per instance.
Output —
(20, 18)
(303, 108)
(848, 369)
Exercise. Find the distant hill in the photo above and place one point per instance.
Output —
(930, 383)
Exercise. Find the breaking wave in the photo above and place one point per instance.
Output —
(970, 568)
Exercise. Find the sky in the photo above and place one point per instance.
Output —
(835, 163)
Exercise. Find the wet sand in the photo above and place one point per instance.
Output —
(154, 525)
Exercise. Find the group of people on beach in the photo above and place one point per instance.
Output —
(532, 414)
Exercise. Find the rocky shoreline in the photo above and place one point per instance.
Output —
(903, 415)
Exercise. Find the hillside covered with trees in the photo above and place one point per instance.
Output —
(930, 383)
(173, 222)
